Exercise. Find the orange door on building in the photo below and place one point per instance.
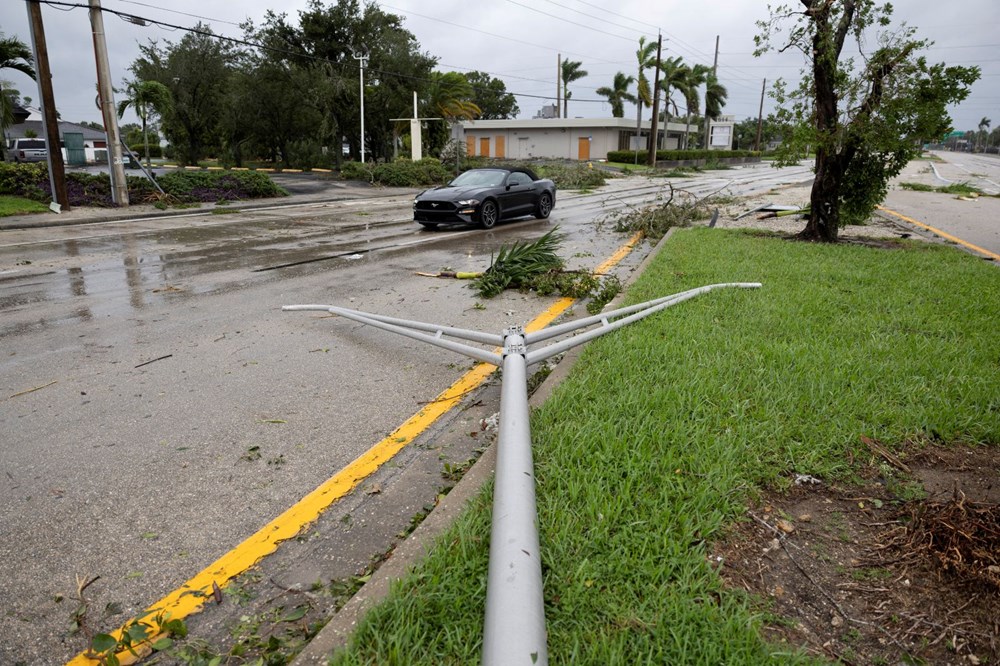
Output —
(484, 146)
(500, 147)
(470, 145)
(584, 144)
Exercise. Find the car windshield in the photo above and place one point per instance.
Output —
(480, 178)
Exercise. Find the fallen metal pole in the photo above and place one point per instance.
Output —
(514, 626)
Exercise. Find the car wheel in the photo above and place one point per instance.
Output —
(489, 214)
(430, 226)
(544, 206)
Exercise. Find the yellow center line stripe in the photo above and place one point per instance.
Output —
(942, 234)
(193, 594)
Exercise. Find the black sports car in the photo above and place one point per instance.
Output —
(484, 197)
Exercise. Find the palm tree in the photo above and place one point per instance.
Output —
(146, 97)
(984, 125)
(570, 72)
(449, 95)
(696, 76)
(715, 99)
(674, 77)
(618, 94)
(646, 55)
(14, 54)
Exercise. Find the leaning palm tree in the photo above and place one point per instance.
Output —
(673, 78)
(715, 99)
(146, 97)
(570, 72)
(646, 55)
(618, 94)
(14, 54)
(695, 78)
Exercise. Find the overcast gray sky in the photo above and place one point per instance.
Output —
(519, 41)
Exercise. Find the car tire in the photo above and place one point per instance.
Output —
(544, 206)
(489, 214)
(429, 226)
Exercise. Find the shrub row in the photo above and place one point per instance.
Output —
(400, 173)
(155, 151)
(430, 171)
(32, 182)
(629, 156)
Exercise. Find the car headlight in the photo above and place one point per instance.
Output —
(469, 202)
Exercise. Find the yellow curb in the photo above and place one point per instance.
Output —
(292, 170)
(942, 234)
(193, 168)
(323, 170)
(240, 169)
(193, 594)
(216, 168)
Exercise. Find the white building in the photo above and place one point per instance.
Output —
(576, 138)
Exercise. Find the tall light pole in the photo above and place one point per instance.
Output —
(362, 59)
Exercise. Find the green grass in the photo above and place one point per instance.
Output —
(11, 205)
(665, 429)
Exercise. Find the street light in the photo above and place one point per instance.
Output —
(362, 58)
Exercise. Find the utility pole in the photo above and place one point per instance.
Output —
(708, 121)
(760, 116)
(653, 129)
(50, 124)
(363, 59)
(558, 84)
(119, 186)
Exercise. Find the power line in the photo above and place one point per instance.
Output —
(174, 11)
(566, 20)
(262, 47)
(484, 32)
(598, 18)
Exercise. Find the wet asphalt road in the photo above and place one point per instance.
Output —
(157, 407)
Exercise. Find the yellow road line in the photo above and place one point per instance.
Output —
(942, 234)
(193, 594)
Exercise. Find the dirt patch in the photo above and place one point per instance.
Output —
(903, 567)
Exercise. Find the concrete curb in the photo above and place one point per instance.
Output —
(407, 554)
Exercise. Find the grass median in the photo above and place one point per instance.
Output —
(666, 429)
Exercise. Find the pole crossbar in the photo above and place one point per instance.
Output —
(514, 624)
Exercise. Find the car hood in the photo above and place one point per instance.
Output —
(447, 193)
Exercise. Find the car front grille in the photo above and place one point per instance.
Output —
(435, 206)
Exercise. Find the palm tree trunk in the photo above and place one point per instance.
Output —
(638, 128)
(145, 141)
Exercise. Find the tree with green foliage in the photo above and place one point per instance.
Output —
(674, 78)
(146, 98)
(646, 57)
(197, 71)
(618, 94)
(449, 96)
(867, 116)
(570, 72)
(491, 96)
(14, 54)
(984, 125)
(745, 133)
(327, 38)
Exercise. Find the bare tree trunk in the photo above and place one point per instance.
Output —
(824, 200)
